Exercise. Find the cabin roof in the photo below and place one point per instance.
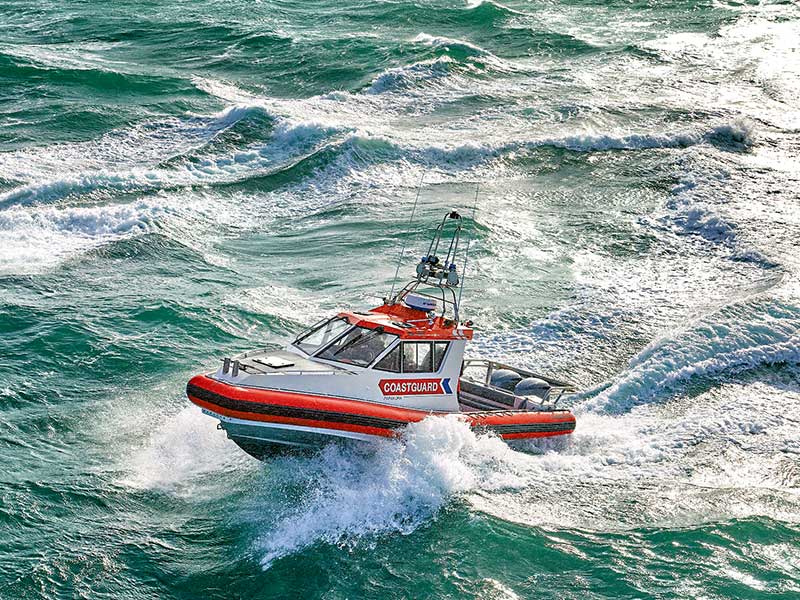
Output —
(409, 323)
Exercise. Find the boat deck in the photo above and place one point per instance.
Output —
(474, 397)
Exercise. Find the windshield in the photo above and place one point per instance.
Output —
(359, 347)
(321, 335)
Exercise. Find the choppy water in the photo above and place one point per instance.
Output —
(182, 180)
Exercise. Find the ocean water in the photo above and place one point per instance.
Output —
(183, 180)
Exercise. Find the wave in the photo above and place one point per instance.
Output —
(291, 142)
(148, 143)
(61, 67)
(287, 143)
(473, 152)
(467, 53)
(34, 239)
(85, 58)
(739, 136)
(486, 8)
(726, 134)
(408, 76)
(737, 338)
(467, 48)
(460, 58)
(588, 142)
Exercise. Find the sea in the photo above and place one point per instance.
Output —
(184, 180)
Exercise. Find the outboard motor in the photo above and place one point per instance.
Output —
(533, 386)
(505, 379)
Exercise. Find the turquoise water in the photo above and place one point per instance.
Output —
(182, 180)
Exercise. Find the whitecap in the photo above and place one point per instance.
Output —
(33, 239)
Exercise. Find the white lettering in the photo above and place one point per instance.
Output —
(410, 387)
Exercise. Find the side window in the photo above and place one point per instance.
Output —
(390, 362)
(439, 350)
(417, 357)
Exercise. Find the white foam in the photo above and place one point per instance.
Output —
(120, 156)
(735, 339)
(442, 41)
(35, 238)
(699, 220)
(411, 75)
(634, 141)
(393, 489)
(355, 496)
(181, 453)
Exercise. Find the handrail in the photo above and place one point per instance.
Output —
(435, 273)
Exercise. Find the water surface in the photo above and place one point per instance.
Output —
(180, 181)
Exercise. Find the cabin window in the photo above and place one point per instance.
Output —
(417, 357)
(439, 350)
(390, 362)
(321, 335)
(360, 347)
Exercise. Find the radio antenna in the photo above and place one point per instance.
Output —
(405, 239)
(469, 241)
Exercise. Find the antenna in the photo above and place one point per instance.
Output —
(469, 240)
(405, 239)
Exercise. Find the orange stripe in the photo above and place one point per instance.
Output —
(522, 418)
(246, 416)
(312, 401)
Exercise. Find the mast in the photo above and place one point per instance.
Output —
(438, 273)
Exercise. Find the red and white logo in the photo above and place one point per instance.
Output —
(411, 387)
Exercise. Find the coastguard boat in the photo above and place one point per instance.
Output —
(365, 375)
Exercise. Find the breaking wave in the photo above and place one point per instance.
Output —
(290, 142)
(408, 76)
(33, 239)
(486, 8)
(462, 50)
(142, 145)
(467, 48)
(739, 135)
(697, 220)
(738, 338)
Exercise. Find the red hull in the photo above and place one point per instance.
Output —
(356, 416)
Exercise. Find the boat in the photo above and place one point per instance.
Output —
(366, 375)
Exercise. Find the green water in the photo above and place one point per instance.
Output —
(180, 181)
